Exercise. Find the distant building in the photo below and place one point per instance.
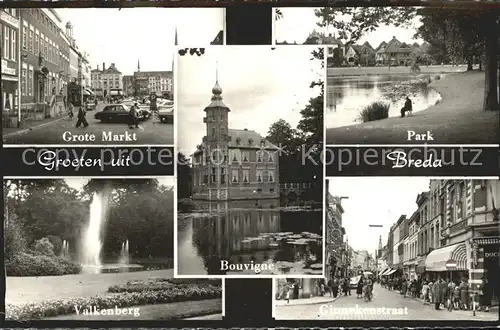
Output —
(394, 52)
(144, 83)
(336, 249)
(233, 164)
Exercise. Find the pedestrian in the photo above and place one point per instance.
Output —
(81, 118)
(330, 287)
(450, 294)
(404, 288)
(464, 294)
(431, 292)
(484, 295)
(438, 288)
(288, 291)
(414, 289)
(346, 286)
(335, 288)
(456, 297)
(359, 288)
(425, 292)
(133, 116)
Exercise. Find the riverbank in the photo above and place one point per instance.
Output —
(333, 72)
(457, 119)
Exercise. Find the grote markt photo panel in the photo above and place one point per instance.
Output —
(67, 79)
(404, 75)
(96, 250)
(247, 199)
(417, 249)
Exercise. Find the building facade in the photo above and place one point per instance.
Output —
(9, 29)
(336, 249)
(232, 164)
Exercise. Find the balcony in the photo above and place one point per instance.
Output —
(459, 226)
(445, 232)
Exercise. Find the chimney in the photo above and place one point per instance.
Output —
(112, 65)
(103, 66)
(330, 35)
(393, 37)
(97, 67)
(245, 129)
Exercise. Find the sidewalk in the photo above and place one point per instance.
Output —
(306, 301)
(30, 125)
(493, 310)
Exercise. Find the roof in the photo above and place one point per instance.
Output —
(241, 138)
(112, 69)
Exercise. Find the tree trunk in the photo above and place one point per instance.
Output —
(470, 62)
(480, 63)
(490, 101)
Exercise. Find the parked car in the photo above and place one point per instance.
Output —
(118, 113)
(165, 115)
(353, 283)
(90, 106)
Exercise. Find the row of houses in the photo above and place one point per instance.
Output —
(392, 52)
(40, 57)
(453, 233)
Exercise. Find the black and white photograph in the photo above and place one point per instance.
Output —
(250, 179)
(417, 249)
(96, 76)
(404, 75)
(97, 249)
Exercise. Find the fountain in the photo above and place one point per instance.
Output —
(65, 250)
(91, 245)
(125, 254)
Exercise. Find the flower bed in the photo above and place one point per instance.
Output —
(169, 294)
(163, 284)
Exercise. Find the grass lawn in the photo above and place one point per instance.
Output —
(20, 290)
(457, 119)
(203, 309)
(379, 70)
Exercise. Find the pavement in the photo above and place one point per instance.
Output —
(51, 131)
(385, 305)
(457, 119)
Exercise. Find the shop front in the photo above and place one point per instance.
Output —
(300, 287)
(448, 262)
(9, 95)
(486, 263)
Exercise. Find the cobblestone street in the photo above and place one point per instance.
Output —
(386, 305)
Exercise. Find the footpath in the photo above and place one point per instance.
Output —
(457, 119)
(305, 301)
(30, 125)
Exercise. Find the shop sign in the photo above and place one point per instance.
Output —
(491, 255)
(6, 18)
(475, 248)
(6, 69)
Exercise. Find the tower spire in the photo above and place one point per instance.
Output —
(138, 66)
(216, 72)
(176, 43)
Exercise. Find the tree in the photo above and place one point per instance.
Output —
(183, 177)
(284, 136)
(460, 26)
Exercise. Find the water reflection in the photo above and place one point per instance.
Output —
(245, 231)
(347, 96)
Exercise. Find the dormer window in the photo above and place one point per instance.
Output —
(238, 141)
(250, 141)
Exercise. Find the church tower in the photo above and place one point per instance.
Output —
(216, 142)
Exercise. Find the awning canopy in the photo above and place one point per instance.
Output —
(392, 271)
(420, 267)
(87, 91)
(437, 260)
(385, 270)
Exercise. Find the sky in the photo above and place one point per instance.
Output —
(288, 29)
(123, 36)
(260, 86)
(78, 183)
(375, 201)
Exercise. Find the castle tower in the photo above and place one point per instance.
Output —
(216, 144)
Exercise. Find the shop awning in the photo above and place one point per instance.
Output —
(436, 260)
(392, 271)
(87, 91)
(385, 270)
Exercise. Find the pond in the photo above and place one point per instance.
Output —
(245, 231)
(348, 95)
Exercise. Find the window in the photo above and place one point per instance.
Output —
(270, 175)
(25, 37)
(259, 156)
(37, 44)
(246, 156)
(222, 175)
(205, 178)
(6, 44)
(270, 157)
(24, 83)
(41, 45)
(246, 176)
(259, 176)
(13, 48)
(234, 176)
(213, 131)
(271, 190)
(30, 81)
(213, 175)
(30, 41)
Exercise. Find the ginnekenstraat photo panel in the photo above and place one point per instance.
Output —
(403, 248)
(96, 249)
(401, 75)
(90, 76)
(250, 180)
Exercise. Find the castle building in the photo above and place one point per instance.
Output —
(233, 164)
